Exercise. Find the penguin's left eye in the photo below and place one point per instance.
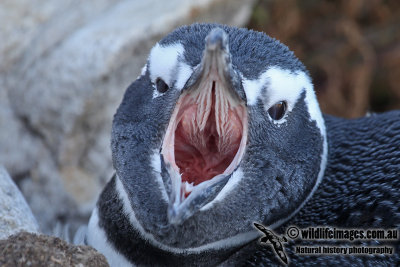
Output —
(277, 111)
(161, 86)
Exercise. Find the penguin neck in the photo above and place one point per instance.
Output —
(360, 188)
(361, 176)
(130, 242)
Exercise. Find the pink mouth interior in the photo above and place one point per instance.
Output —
(201, 154)
(207, 133)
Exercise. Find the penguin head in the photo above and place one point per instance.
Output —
(221, 129)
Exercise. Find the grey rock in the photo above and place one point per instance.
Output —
(27, 249)
(15, 214)
(13, 135)
(65, 66)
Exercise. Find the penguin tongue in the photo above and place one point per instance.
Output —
(207, 136)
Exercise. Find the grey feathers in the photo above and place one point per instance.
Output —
(252, 52)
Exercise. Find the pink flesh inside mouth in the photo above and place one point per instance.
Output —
(207, 133)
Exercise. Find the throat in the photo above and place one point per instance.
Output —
(207, 137)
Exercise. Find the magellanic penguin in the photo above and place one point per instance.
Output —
(222, 129)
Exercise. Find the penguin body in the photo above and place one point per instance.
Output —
(360, 190)
(223, 129)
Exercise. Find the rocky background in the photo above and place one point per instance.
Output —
(64, 66)
(28, 249)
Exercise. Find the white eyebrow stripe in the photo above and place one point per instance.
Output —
(252, 89)
(163, 60)
(184, 73)
(313, 105)
(282, 84)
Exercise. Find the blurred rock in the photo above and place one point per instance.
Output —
(26, 249)
(15, 215)
(64, 68)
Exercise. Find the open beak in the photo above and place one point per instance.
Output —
(207, 133)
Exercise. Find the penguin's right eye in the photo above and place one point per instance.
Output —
(277, 111)
(161, 86)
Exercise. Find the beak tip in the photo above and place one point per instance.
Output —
(217, 38)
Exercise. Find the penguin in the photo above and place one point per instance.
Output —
(223, 129)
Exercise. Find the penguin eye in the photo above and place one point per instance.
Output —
(161, 86)
(277, 111)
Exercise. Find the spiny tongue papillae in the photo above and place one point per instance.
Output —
(208, 133)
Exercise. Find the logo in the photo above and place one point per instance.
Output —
(324, 237)
(274, 240)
